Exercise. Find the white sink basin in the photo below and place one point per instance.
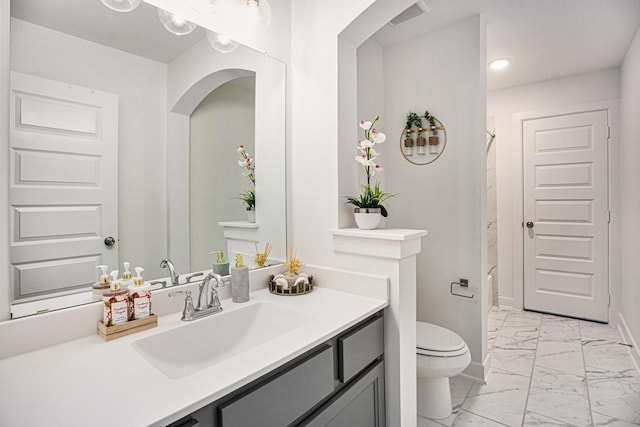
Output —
(201, 343)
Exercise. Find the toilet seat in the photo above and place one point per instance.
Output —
(436, 341)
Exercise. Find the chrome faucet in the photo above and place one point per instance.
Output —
(213, 301)
(208, 305)
(166, 263)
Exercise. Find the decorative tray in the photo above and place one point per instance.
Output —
(109, 333)
(296, 284)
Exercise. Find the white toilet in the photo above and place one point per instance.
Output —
(440, 354)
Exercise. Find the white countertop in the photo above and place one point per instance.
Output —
(88, 381)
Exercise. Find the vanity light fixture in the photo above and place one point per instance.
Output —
(500, 63)
(255, 15)
(221, 43)
(122, 5)
(175, 24)
(206, 7)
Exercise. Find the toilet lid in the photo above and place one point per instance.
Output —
(435, 339)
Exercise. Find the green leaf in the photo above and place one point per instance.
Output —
(370, 198)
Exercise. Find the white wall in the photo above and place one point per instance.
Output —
(446, 197)
(140, 84)
(224, 120)
(5, 309)
(370, 103)
(503, 104)
(322, 134)
(630, 196)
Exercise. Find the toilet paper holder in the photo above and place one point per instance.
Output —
(463, 283)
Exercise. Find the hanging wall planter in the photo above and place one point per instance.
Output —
(436, 143)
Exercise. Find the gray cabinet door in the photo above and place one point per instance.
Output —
(361, 404)
(281, 400)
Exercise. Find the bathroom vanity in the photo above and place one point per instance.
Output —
(284, 360)
(339, 382)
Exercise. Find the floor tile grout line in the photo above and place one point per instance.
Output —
(481, 416)
(586, 380)
(533, 366)
(554, 419)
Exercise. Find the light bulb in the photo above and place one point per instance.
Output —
(500, 64)
(205, 7)
(255, 15)
(122, 5)
(221, 43)
(175, 24)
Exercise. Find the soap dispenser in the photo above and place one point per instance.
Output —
(221, 266)
(103, 283)
(139, 297)
(115, 303)
(126, 280)
(239, 281)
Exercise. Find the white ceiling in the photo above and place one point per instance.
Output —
(545, 38)
(139, 32)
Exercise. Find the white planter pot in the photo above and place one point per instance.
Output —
(251, 214)
(367, 218)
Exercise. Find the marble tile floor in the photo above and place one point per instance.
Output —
(549, 371)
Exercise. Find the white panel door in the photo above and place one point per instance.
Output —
(566, 215)
(63, 186)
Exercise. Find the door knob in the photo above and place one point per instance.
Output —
(529, 224)
(109, 241)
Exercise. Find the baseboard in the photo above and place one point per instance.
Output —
(505, 302)
(478, 371)
(628, 339)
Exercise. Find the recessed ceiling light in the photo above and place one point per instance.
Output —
(500, 63)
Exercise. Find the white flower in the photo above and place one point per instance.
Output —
(365, 143)
(241, 149)
(241, 163)
(378, 137)
(364, 161)
(376, 168)
(365, 125)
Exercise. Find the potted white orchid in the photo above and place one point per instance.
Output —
(369, 204)
(248, 196)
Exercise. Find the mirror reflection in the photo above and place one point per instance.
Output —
(120, 129)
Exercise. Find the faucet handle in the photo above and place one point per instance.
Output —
(191, 276)
(189, 310)
(215, 301)
(219, 279)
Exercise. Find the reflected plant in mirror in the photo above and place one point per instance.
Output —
(248, 196)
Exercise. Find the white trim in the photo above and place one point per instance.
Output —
(505, 302)
(479, 371)
(611, 106)
(628, 339)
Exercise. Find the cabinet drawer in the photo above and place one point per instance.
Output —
(283, 399)
(359, 348)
